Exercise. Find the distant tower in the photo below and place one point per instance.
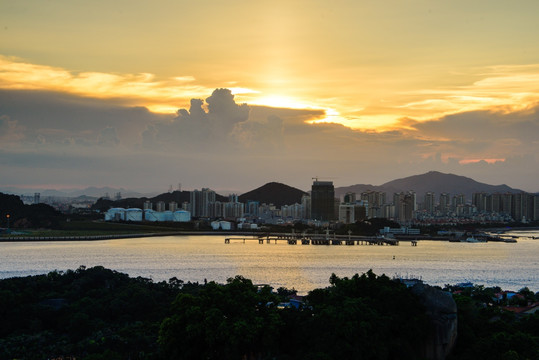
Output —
(37, 197)
(118, 196)
(147, 205)
(160, 206)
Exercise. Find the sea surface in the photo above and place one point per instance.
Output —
(511, 266)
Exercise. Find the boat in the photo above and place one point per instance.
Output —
(473, 239)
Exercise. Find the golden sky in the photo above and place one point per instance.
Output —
(370, 63)
(373, 66)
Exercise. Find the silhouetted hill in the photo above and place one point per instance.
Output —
(27, 216)
(434, 181)
(274, 193)
(177, 196)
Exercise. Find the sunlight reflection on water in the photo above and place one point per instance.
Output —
(195, 258)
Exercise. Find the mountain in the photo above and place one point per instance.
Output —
(91, 191)
(274, 193)
(434, 181)
(177, 196)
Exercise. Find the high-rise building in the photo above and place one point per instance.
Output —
(405, 205)
(445, 202)
(375, 200)
(306, 205)
(351, 212)
(253, 208)
(200, 202)
(479, 200)
(349, 198)
(428, 203)
(323, 201)
(459, 199)
(37, 198)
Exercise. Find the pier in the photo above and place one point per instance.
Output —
(318, 239)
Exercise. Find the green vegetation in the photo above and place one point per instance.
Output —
(27, 216)
(98, 313)
(487, 331)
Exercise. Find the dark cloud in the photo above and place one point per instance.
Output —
(108, 137)
(220, 143)
(55, 117)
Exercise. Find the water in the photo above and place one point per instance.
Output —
(511, 266)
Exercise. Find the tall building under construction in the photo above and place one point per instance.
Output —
(323, 201)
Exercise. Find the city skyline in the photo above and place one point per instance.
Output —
(232, 95)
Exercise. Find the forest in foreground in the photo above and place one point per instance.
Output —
(97, 313)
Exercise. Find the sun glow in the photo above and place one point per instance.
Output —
(282, 102)
(473, 161)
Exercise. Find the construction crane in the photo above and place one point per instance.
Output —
(317, 177)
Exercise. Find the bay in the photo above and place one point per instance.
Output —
(511, 266)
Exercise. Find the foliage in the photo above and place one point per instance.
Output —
(84, 313)
(487, 331)
(27, 216)
(97, 313)
(365, 317)
(231, 321)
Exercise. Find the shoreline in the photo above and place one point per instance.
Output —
(22, 238)
(117, 236)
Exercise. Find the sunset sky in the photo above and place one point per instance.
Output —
(233, 94)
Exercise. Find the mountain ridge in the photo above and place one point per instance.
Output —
(433, 181)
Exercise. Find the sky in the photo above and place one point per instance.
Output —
(233, 94)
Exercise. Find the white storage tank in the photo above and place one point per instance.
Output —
(115, 214)
(182, 216)
(215, 225)
(133, 214)
(150, 215)
(160, 216)
(225, 225)
(168, 215)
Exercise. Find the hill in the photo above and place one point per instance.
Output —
(177, 196)
(274, 193)
(27, 216)
(434, 181)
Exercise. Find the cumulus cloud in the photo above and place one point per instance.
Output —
(220, 143)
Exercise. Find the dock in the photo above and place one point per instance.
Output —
(318, 239)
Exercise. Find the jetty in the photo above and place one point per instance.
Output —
(317, 239)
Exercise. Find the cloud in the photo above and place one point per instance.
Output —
(128, 89)
(10, 131)
(484, 134)
(220, 143)
(108, 137)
